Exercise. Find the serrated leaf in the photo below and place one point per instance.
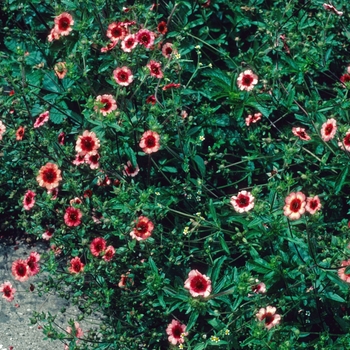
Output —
(50, 82)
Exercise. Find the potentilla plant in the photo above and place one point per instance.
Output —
(187, 165)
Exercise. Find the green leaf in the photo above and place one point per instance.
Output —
(50, 83)
(334, 297)
(169, 169)
(224, 244)
(192, 320)
(339, 182)
(216, 268)
(153, 266)
(200, 164)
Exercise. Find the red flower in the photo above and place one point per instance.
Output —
(20, 270)
(259, 288)
(53, 192)
(42, 119)
(8, 291)
(97, 246)
(341, 272)
(269, 316)
(247, 80)
(129, 170)
(60, 69)
(29, 201)
(243, 202)
(32, 263)
(198, 284)
(76, 266)
(162, 27)
(79, 159)
(301, 133)
(72, 217)
(75, 200)
(63, 24)
(345, 78)
(151, 99)
(150, 142)
(170, 86)
(116, 31)
(92, 159)
(109, 46)
(107, 102)
(176, 332)
(87, 143)
(143, 229)
(20, 133)
(47, 235)
(295, 205)
(87, 194)
(123, 76)
(129, 43)
(155, 69)
(345, 144)
(61, 137)
(167, 50)
(252, 118)
(53, 35)
(145, 38)
(49, 176)
(328, 130)
(109, 253)
(313, 204)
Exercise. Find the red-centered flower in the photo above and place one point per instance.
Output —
(301, 133)
(78, 332)
(60, 69)
(129, 43)
(63, 24)
(20, 133)
(106, 104)
(345, 79)
(97, 246)
(28, 200)
(151, 99)
(345, 144)
(259, 288)
(116, 31)
(105, 181)
(53, 192)
(76, 266)
(87, 143)
(247, 80)
(162, 27)
(8, 292)
(61, 138)
(42, 119)
(53, 35)
(176, 332)
(155, 70)
(294, 205)
(20, 270)
(198, 284)
(167, 50)
(341, 272)
(75, 200)
(243, 202)
(123, 76)
(252, 118)
(72, 217)
(313, 204)
(269, 316)
(145, 37)
(331, 8)
(122, 281)
(109, 46)
(150, 142)
(143, 229)
(79, 159)
(109, 253)
(32, 263)
(129, 170)
(328, 129)
(47, 235)
(171, 86)
(92, 159)
(49, 176)
(87, 193)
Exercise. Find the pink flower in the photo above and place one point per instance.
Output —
(301, 133)
(145, 37)
(341, 272)
(53, 192)
(151, 99)
(345, 144)
(42, 119)
(150, 142)
(345, 78)
(76, 266)
(167, 50)
(109, 253)
(72, 217)
(176, 332)
(331, 8)
(8, 291)
(155, 69)
(29, 201)
(78, 332)
(247, 80)
(259, 288)
(294, 205)
(328, 130)
(87, 143)
(97, 246)
(60, 69)
(109, 46)
(162, 27)
(49, 176)
(116, 31)
(143, 229)
(198, 284)
(123, 76)
(47, 235)
(313, 204)
(20, 133)
(107, 102)
(53, 35)
(20, 270)
(63, 24)
(253, 118)
(79, 159)
(170, 86)
(129, 43)
(243, 202)
(61, 138)
(129, 170)
(269, 315)
(92, 159)
(75, 200)
(2, 129)
(32, 263)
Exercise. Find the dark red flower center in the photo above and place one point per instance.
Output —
(347, 140)
(130, 42)
(268, 318)
(313, 204)
(150, 141)
(106, 104)
(168, 51)
(87, 143)
(199, 284)
(76, 266)
(302, 134)
(64, 23)
(49, 175)
(145, 39)
(123, 76)
(73, 216)
(21, 270)
(247, 79)
(141, 228)
(117, 32)
(7, 291)
(295, 205)
(155, 69)
(98, 246)
(242, 201)
(328, 129)
(29, 199)
(177, 331)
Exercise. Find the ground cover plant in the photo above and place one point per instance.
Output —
(187, 163)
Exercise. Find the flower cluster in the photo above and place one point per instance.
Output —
(143, 229)
(98, 247)
(87, 147)
(28, 200)
(296, 204)
(63, 26)
(23, 269)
